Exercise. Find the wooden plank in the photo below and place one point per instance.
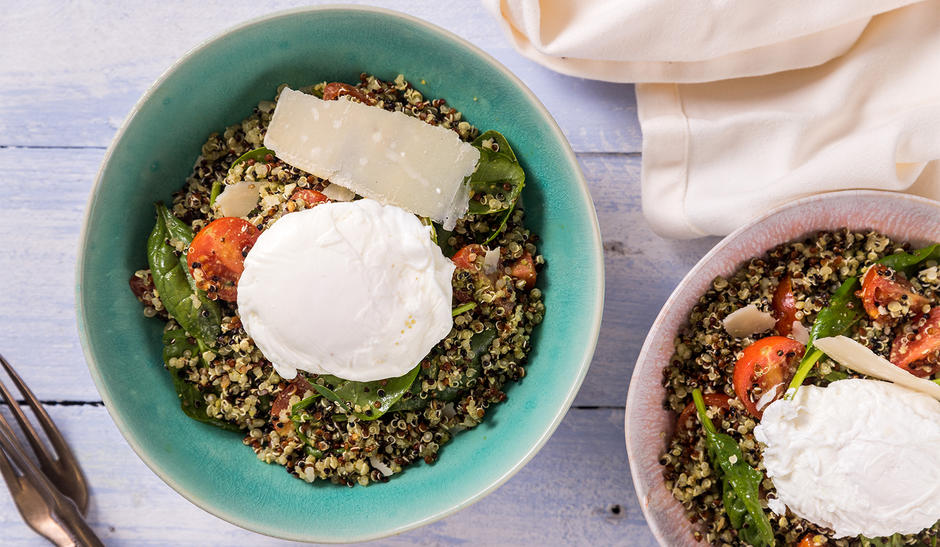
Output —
(40, 221)
(642, 270)
(66, 81)
(577, 490)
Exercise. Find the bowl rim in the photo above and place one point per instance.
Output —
(580, 186)
(641, 491)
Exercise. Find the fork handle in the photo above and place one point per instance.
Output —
(75, 526)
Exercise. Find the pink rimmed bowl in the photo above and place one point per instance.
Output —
(647, 425)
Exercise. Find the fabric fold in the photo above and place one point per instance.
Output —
(744, 106)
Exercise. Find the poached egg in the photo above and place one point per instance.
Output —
(357, 290)
(859, 456)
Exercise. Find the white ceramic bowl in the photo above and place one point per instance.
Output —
(901, 216)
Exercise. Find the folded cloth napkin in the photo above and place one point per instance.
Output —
(824, 96)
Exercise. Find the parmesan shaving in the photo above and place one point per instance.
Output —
(491, 261)
(859, 358)
(386, 156)
(747, 321)
(800, 333)
(239, 199)
(337, 193)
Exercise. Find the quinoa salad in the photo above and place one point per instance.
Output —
(881, 293)
(317, 426)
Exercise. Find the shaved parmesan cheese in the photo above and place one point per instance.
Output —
(859, 358)
(800, 333)
(491, 261)
(380, 465)
(748, 320)
(387, 156)
(337, 193)
(237, 200)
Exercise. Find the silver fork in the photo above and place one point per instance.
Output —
(52, 497)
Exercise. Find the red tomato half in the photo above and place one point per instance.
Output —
(784, 304)
(768, 364)
(216, 257)
(919, 353)
(524, 269)
(309, 197)
(812, 540)
(469, 257)
(882, 285)
(335, 90)
(686, 418)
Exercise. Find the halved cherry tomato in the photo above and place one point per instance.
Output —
(784, 304)
(335, 90)
(686, 420)
(297, 386)
(216, 257)
(309, 197)
(468, 257)
(882, 285)
(769, 364)
(812, 540)
(919, 353)
(524, 269)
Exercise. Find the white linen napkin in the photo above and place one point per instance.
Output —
(825, 96)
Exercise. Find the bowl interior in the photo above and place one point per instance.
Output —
(900, 216)
(219, 84)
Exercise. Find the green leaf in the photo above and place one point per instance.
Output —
(216, 190)
(740, 482)
(498, 174)
(904, 262)
(375, 397)
(258, 154)
(190, 307)
(833, 320)
(502, 224)
(442, 241)
(835, 376)
(176, 343)
(463, 308)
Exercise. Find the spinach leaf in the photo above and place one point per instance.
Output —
(905, 262)
(375, 398)
(833, 320)
(463, 308)
(258, 154)
(176, 343)
(442, 241)
(498, 176)
(740, 482)
(216, 190)
(502, 224)
(190, 307)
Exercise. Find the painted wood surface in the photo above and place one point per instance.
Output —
(70, 73)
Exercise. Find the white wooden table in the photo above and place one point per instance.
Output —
(70, 73)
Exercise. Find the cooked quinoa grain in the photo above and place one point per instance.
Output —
(705, 355)
(453, 390)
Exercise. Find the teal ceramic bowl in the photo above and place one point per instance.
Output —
(218, 84)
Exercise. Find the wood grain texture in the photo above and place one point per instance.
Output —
(577, 490)
(70, 73)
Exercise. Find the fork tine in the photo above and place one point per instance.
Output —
(32, 436)
(9, 475)
(62, 523)
(65, 473)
